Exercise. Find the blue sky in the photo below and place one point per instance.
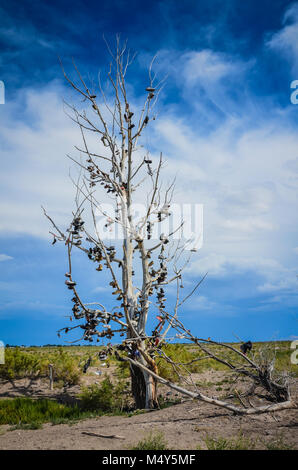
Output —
(225, 124)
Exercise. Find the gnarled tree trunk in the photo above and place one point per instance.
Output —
(143, 388)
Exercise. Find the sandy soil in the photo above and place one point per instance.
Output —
(185, 425)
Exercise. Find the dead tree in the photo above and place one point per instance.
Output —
(114, 168)
(121, 168)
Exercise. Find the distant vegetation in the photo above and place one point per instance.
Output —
(68, 361)
(186, 354)
(34, 362)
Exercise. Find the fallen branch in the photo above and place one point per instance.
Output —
(213, 401)
(107, 436)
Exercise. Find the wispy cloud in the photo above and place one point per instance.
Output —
(5, 257)
(284, 41)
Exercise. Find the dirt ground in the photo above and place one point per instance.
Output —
(184, 425)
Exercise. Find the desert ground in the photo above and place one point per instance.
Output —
(184, 425)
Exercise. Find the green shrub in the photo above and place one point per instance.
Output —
(66, 369)
(30, 426)
(278, 444)
(239, 442)
(33, 362)
(105, 397)
(152, 442)
(189, 358)
(23, 411)
(19, 364)
(123, 370)
(165, 402)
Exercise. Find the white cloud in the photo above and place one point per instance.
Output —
(247, 225)
(244, 174)
(246, 181)
(202, 302)
(287, 284)
(33, 162)
(208, 67)
(5, 257)
(36, 137)
(284, 41)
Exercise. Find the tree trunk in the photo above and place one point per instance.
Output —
(144, 388)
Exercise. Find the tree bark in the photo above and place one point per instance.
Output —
(138, 387)
(144, 384)
(144, 388)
